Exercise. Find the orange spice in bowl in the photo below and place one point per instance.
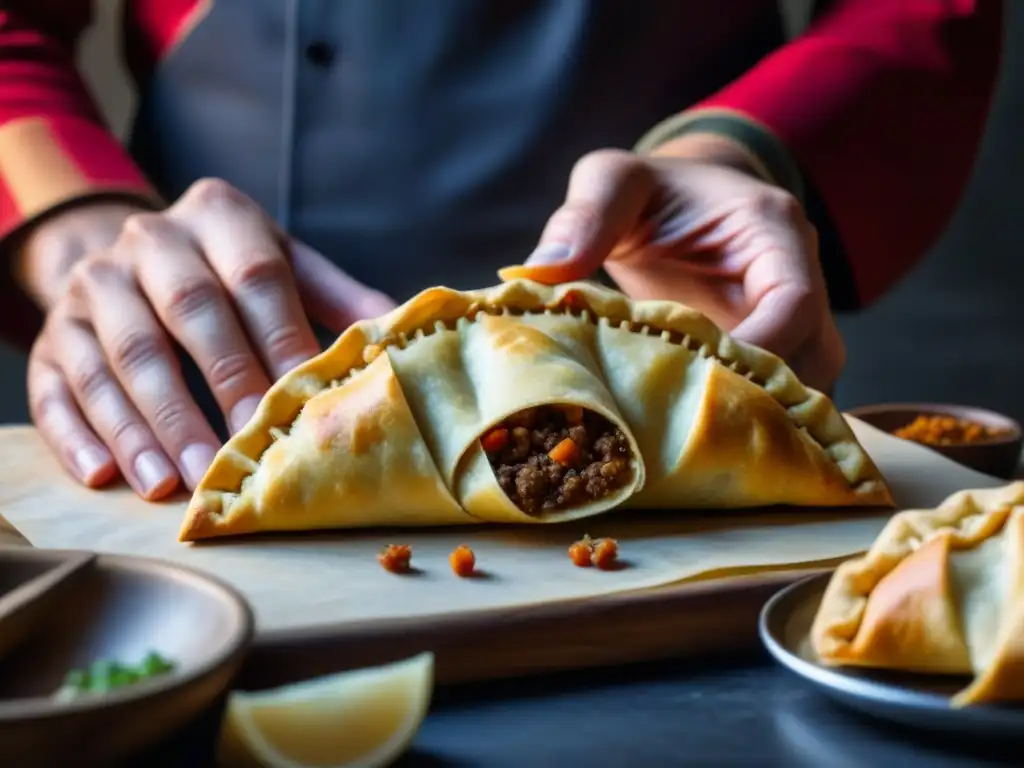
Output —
(940, 429)
(982, 439)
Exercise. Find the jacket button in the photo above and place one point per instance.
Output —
(320, 54)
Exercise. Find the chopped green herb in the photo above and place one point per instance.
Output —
(105, 675)
(155, 664)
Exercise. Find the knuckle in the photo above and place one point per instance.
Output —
(90, 381)
(42, 404)
(777, 204)
(191, 296)
(606, 159)
(257, 273)
(45, 392)
(229, 370)
(128, 432)
(215, 193)
(136, 349)
(283, 341)
(91, 270)
(618, 166)
(170, 416)
(145, 227)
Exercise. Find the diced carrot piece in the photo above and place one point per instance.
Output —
(396, 558)
(566, 452)
(463, 561)
(494, 440)
(605, 555)
(581, 551)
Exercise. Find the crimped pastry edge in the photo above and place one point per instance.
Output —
(440, 308)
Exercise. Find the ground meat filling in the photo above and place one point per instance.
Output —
(554, 457)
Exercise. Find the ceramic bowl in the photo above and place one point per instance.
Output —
(64, 610)
(998, 456)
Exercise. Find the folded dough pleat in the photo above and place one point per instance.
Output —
(491, 369)
(993, 610)
(710, 437)
(940, 592)
(338, 467)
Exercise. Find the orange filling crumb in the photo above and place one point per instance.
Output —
(580, 552)
(396, 558)
(605, 554)
(462, 560)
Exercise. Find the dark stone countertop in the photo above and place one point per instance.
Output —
(747, 713)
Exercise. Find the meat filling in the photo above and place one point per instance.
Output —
(554, 457)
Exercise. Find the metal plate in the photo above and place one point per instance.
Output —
(915, 700)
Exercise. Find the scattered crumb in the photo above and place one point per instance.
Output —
(462, 560)
(396, 558)
(580, 552)
(605, 554)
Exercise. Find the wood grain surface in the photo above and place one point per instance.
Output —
(473, 633)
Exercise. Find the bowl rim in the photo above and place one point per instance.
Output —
(237, 642)
(1016, 430)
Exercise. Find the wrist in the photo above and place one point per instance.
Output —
(715, 149)
(45, 250)
(729, 137)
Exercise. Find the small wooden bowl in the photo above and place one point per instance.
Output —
(65, 610)
(998, 456)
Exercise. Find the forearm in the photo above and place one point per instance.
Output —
(881, 106)
(54, 146)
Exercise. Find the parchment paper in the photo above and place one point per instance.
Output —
(311, 580)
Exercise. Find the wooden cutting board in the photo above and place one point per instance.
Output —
(692, 583)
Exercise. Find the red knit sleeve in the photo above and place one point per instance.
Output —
(883, 105)
(54, 146)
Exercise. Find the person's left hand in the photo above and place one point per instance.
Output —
(704, 232)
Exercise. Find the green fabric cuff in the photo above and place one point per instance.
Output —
(761, 142)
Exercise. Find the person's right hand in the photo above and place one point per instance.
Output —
(211, 272)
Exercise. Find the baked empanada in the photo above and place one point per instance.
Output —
(941, 591)
(456, 408)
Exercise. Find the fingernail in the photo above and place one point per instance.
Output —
(153, 471)
(550, 253)
(243, 411)
(194, 461)
(89, 460)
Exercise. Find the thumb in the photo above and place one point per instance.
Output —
(329, 295)
(608, 193)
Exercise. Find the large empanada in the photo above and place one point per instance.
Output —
(389, 425)
(941, 591)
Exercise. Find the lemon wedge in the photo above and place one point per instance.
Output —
(366, 717)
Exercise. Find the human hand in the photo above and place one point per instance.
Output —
(696, 226)
(213, 273)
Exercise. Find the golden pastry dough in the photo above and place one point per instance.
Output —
(384, 427)
(941, 591)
